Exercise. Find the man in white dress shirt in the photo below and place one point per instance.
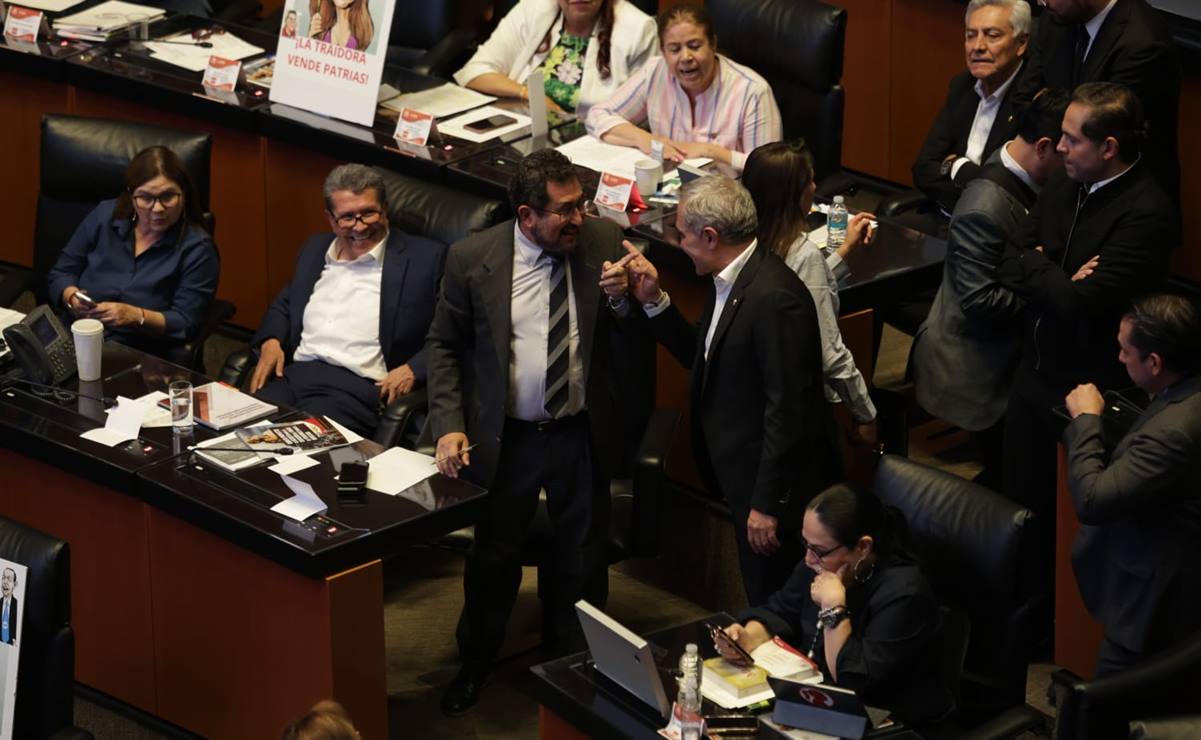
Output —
(524, 397)
(346, 335)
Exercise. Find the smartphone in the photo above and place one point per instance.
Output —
(490, 123)
(85, 299)
(721, 639)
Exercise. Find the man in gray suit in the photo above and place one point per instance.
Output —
(524, 398)
(1139, 543)
(965, 353)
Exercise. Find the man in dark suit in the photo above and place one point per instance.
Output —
(1139, 505)
(347, 335)
(965, 353)
(979, 114)
(8, 606)
(762, 430)
(1099, 236)
(521, 357)
(1126, 42)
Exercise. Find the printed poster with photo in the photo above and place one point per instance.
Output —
(12, 602)
(330, 57)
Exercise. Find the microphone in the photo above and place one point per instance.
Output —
(205, 448)
(54, 389)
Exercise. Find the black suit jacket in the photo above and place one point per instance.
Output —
(412, 270)
(761, 424)
(949, 135)
(1134, 48)
(12, 619)
(470, 341)
(1137, 551)
(1072, 326)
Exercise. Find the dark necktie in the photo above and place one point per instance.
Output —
(557, 341)
(1082, 39)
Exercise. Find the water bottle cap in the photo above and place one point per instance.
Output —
(690, 648)
(839, 199)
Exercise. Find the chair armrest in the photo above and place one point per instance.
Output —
(447, 55)
(906, 200)
(237, 367)
(395, 420)
(648, 476)
(1010, 723)
(1166, 728)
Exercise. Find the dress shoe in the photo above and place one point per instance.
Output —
(463, 692)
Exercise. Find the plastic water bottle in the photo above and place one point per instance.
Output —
(836, 223)
(688, 701)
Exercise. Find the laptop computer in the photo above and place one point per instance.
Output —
(623, 657)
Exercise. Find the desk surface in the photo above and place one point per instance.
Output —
(158, 468)
(572, 688)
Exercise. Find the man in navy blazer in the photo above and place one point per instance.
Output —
(347, 335)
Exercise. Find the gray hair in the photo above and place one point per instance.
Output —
(1019, 13)
(357, 178)
(721, 204)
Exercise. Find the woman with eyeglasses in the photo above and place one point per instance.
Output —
(860, 608)
(142, 264)
(780, 179)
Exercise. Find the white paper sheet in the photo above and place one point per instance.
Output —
(123, 424)
(108, 16)
(289, 465)
(591, 152)
(154, 416)
(396, 469)
(440, 102)
(350, 436)
(185, 53)
(303, 504)
(457, 126)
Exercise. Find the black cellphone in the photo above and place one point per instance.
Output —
(492, 122)
(352, 474)
(719, 636)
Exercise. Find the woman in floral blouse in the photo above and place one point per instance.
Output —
(584, 48)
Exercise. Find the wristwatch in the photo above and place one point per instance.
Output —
(830, 618)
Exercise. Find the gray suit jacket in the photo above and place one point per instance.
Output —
(469, 342)
(965, 353)
(1137, 555)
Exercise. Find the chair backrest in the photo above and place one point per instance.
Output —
(797, 46)
(424, 209)
(971, 543)
(1165, 685)
(421, 24)
(83, 162)
(46, 675)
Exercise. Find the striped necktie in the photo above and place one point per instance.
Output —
(555, 395)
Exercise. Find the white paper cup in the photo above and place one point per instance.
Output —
(89, 340)
(647, 173)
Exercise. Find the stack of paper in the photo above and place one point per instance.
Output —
(439, 102)
(49, 6)
(184, 51)
(100, 22)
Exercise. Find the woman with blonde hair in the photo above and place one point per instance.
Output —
(327, 720)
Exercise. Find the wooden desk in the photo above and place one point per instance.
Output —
(194, 602)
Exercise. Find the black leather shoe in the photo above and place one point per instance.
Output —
(463, 692)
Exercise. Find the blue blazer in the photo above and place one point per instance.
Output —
(412, 272)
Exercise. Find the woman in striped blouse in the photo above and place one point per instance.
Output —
(696, 102)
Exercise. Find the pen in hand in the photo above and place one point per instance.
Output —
(466, 449)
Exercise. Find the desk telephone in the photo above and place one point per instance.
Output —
(42, 347)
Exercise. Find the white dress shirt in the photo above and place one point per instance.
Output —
(1094, 25)
(529, 312)
(723, 282)
(986, 116)
(1102, 183)
(1018, 171)
(341, 321)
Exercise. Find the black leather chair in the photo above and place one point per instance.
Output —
(1168, 728)
(415, 207)
(797, 45)
(83, 162)
(434, 37)
(46, 675)
(1160, 688)
(971, 544)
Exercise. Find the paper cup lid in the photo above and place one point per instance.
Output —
(87, 327)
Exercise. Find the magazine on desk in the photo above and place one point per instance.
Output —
(219, 406)
(264, 442)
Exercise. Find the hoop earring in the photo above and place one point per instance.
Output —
(861, 578)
